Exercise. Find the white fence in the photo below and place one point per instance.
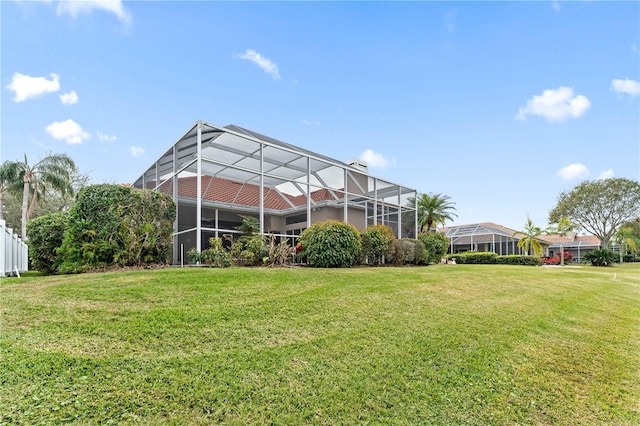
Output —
(15, 254)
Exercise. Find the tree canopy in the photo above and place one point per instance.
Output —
(434, 209)
(53, 172)
(600, 207)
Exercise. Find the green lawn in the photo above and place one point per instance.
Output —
(445, 344)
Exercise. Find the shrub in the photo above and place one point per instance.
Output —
(279, 254)
(216, 255)
(377, 243)
(408, 251)
(436, 245)
(517, 259)
(568, 256)
(45, 238)
(601, 257)
(331, 244)
(117, 225)
(473, 257)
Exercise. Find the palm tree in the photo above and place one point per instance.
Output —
(54, 171)
(562, 228)
(9, 180)
(626, 236)
(529, 239)
(434, 209)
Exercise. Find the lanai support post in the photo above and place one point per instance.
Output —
(308, 191)
(199, 189)
(344, 193)
(261, 188)
(400, 213)
(176, 246)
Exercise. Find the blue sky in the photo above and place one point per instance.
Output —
(499, 105)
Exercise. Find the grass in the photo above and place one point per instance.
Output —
(464, 344)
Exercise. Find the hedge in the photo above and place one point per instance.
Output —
(118, 225)
(472, 257)
(46, 234)
(517, 259)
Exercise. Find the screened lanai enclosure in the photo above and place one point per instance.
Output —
(487, 237)
(216, 174)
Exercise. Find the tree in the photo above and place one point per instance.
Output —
(626, 236)
(9, 180)
(434, 209)
(529, 238)
(52, 172)
(600, 207)
(49, 202)
(562, 228)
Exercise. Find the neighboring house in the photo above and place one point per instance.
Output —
(488, 237)
(578, 245)
(215, 174)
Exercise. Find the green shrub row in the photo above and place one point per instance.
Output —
(334, 244)
(491, 258)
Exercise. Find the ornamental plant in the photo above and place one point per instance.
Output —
(45, 237)
(377, 243)
(117, 225)
(331, 244)
(435, 244)
(601, 257)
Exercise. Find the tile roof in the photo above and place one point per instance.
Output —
(245, 194)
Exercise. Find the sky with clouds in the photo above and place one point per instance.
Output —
(499, 105)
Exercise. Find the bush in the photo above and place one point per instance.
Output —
(473, 257)
(436, 245)
(279, 254)
(377, 243)
(601, 257)
(216, 255)
(517, 259)
(409, 251)
(331, 244)
(118, 225)
(45, 238)
(568, 256)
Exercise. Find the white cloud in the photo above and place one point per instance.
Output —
(106, 138)
(634, 47)
(311, 122)
(555, 105)
(69, 98)
(264, 63)
(68, 131)
(574, 171)
(136, 151)
(606, 174)
(449, 21)
(74, 8)
(26, 87)
(375, 159)
(628, 86)
(555, 5)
